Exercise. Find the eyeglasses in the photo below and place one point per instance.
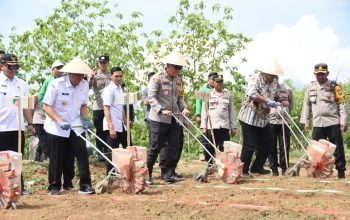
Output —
(13, 67)
(178, 67)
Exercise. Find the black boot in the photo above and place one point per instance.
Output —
(341, 174)
(149, 180)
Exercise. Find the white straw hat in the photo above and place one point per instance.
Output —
(78, 66)
(271, 67)
(175, 58)
(56, 64)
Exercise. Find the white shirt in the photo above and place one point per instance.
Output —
(66, 101)
(11, 88)
(109, 95)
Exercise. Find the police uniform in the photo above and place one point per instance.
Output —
(276, 123)
(67, 100)
(326, 103)
(98, 83)
(165, 93)
(254, 118)
(221, 113)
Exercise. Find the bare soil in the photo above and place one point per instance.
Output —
(262, 197)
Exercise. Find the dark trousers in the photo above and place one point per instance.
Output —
(333, 134)
(62, 153)
(148, 131)
(98, 123)
(114, 143)
(277, 136)
(167, 136)
(42, 148)
(9, 141)
(255, 139)
(220, 136)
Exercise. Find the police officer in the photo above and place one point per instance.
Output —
(65, 103)
(260, 96)
(146, 105)
(11, 86)
(280, 134)
(166, 96)
(97, 83)
(199, 102)
(221, 113)
(325, 100)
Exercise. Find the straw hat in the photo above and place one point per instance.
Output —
(78, 66)
(175, 58)
(57, 63)
(271, 67)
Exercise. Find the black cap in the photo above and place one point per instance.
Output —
(218, 78)
(321, 68)
(103, 58)
(9, 59)
(211, 74)
(2, 51)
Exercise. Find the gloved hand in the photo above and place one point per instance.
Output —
(87, 124)
(64, 125)
(271, 103)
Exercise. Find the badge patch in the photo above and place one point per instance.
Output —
(166, 92)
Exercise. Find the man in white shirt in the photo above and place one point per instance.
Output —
(65, 103)
(11, 86)
(113, 124)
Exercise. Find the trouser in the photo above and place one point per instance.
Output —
(42, 146)
(333, 134)
(220, 135)
(9, 141)
(114, 143)
(98, 123)
(167, 136)
(62, 153)
(148, 132)
(277, 136)
(256, 139)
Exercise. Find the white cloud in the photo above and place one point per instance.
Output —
(298, 48)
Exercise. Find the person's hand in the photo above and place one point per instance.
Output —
(204, 130)
(131, 124)
(186, 112)
(306, 128)
(112, 133)
(87, 124)
(198, 120)
(145, 102)
(343, 128)
(64, 125)
(271, 103)
(167, 113)
(233, 131)
(30, 130)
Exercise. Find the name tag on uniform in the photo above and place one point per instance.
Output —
(4, 86)
(65, 93)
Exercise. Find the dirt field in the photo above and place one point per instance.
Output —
(260, 198)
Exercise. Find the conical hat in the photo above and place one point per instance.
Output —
(271, 67)
(175, 58)
(78, 66)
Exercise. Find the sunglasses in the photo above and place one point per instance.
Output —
(178, 67)
(13, 67)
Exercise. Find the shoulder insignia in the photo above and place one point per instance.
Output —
(155, 78)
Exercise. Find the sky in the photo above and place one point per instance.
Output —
(297, 33)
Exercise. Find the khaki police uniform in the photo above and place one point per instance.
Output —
(165, 93)
(325, 106)
(220, 110)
